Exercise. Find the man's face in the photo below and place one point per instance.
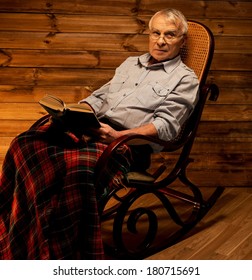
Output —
(165, 39)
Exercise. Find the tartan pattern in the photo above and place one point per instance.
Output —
(48, 202)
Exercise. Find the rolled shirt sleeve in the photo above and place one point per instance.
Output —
(176, 108)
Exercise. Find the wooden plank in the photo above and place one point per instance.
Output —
(209, 9)
(233, 44)
(227, 113)
(213, 148)
(221, 163)
(30, 94)
(228, 27)
(21, 111)
(45, 58)
(72, 41)
(119, 7)
(62, 58)
(199, 9)
(232, 62)
(15, 93)
(4, 145)
(224, 129)
(218, 146)
(55, 76)
(10, 128)
(231, 79)
(5, 141)
(234, 95)
(72, 23)
(219, 177)
(26, 22)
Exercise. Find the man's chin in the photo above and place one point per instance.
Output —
(160, 58)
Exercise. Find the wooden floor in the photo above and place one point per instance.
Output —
(225, 233)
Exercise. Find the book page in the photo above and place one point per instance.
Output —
(52, 102)
(81, 107)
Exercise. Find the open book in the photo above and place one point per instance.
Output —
(73, 116)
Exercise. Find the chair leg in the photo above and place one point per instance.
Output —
(205, 205)
(124, 216)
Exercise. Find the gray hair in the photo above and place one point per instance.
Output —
(175, 16)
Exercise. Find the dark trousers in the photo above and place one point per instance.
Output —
(141, 154)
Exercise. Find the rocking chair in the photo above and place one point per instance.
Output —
(161, 184)
(182, 201)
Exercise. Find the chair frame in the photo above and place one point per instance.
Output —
(159, 188)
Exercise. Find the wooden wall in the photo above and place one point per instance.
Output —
(69, 47)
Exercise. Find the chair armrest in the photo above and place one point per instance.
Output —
(211, 89)
(129, 139)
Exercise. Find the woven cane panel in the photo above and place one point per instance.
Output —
(195, 52)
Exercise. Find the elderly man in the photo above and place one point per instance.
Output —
(48, 202)
(152, 94)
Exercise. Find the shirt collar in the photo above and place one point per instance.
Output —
(168, 65)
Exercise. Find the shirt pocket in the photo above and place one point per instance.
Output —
(153, 96)
(117, 82)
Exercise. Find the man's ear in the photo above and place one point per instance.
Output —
(183, 41)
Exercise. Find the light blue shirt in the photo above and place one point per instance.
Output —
(163, 94)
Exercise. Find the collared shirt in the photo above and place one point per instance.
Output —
(163, 94)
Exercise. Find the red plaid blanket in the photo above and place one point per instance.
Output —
(48, 203)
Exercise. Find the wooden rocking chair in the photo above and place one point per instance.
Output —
(161, 184)
(122, 209)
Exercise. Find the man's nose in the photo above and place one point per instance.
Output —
(161, 41)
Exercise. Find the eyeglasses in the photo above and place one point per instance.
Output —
(167, 37)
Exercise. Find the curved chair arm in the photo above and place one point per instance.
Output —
(213, 90)
(43, 120)
(130, 139)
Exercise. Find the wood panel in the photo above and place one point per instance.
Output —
(69, 48)
(72, 23)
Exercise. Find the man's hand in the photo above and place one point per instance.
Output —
(106, 134)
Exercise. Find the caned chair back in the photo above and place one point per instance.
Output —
(197, 54)
(198, 51)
